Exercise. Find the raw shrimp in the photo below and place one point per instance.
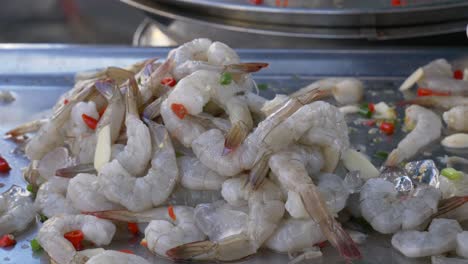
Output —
(196, 176)
(442, 102)
(85, 195)
(138, 194)
(388, 213)
(52, 161)
(462, 244)
(284, 127)
(426, 127)
(189, 197)
(457, 118)
(344, 90)
(439, 68)
(294, 235)
(28, 127)
(16, 210)
(115, 110)
(50, 134)
(168, 226)
(116, 257)
(266, 209)
(291, 173)
(441, 237)
(201, 54)
(52, 240)
(137, 153)
(51, 198)
(192, 93)
(331, 189)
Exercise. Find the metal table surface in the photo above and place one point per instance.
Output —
(38, 74)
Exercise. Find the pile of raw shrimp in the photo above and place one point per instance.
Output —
(123, 144)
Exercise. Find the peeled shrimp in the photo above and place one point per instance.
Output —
(462, 244)
(50, 134)
(16, 210)
(426, 126)
(168, 226)
(291, 172)
(331, 189)
(436, 69)
(50, 236)
(344, 90)
(192, 93)
(441, 237)
(51, 198)
(52, 161)
(294, 235)
(277, 131)
(200, 54)
(265, 212)
(196, 176)
(457, 118)
(138, 194)
(84, 193)
(137, 153)
(387, 213)
(116, 257)
(115, 109)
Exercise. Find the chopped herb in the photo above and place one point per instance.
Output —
(179, 154)
(30, 188)
(451, 174)
(262, 86)
(226, 78)
(381, 154)
(35, 246)
(139, 80)
(42, 218)
(365, 110)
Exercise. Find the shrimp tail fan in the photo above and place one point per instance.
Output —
(332, 230)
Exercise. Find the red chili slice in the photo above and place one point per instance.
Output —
(179, 110)
(133, 228)
(75, 237)
(89, 121)
(169, 81)
(256, 2)
(128, 251)
(65, 101)
(458, 74)
(387, 128)
(7, 241)
(4, 166)
(170, 211)
(371, 107)
(429, 92)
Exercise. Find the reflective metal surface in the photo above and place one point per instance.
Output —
(37, 75)
(348, 31)
(328, 13)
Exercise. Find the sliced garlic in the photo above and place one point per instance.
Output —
(459, 140)
(356, 161)
(383, 111)
(349, 109)
(412, 79)
(103, 152)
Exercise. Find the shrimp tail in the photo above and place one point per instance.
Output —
(28, 127)
(235, 137)
(70, 172)
(248, 67)
(116, 215)
(392, 160)
(105, 87)
(132, 97)
(259, 172)
(191, 250)
(450, 204)
(332, 230)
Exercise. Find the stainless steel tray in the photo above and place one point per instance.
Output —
(367, 28)
(328, 13)
(38, 74)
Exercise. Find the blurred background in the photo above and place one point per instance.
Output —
(170, 22)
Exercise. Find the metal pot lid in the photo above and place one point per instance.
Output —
(330, 13)
(373, 33)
